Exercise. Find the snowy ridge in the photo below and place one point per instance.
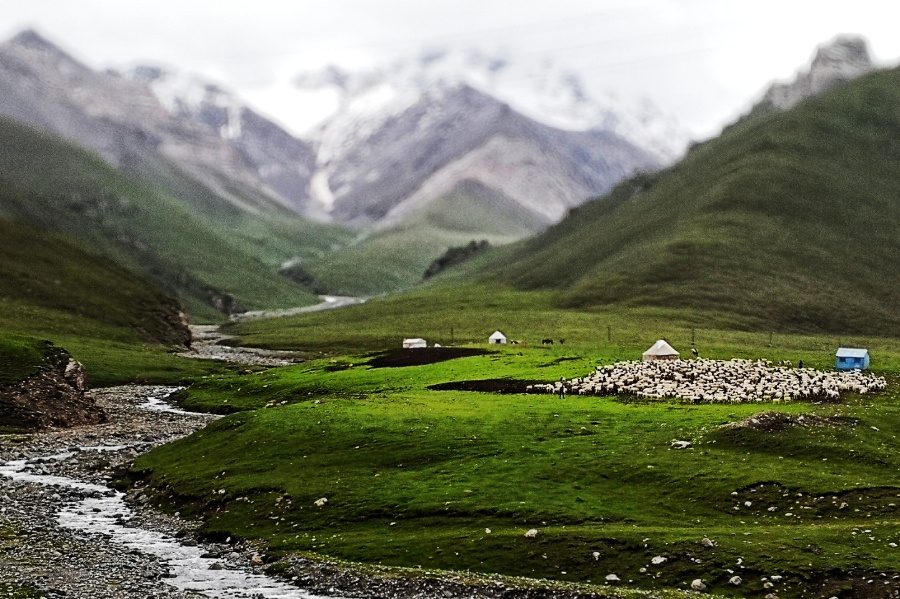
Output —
(189, 95)
(542, 91)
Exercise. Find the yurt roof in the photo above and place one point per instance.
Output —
(661, 348)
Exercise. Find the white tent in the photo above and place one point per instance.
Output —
(497, 338)
(660, 351)
(416, 342)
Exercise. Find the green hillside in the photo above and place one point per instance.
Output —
(396, 258)
(117, 325)
(785, 222)
(215, 256)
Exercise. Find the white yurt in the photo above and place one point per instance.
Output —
(413, 343)
(497, 338)
(660, 351)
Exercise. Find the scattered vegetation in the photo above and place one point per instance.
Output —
(456, 256)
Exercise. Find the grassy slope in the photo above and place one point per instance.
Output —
(788, 222)
(164, 226)
(396, 258)
(415, 477)
(21, 358)
(116, 324)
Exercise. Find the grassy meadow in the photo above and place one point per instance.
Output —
(452, 480)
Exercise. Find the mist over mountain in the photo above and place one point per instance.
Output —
(124, 121)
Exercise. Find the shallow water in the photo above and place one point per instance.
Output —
(104, 513)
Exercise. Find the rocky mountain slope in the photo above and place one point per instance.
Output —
(841, 60)
(405, 134)
(229, 149)
(422, 156)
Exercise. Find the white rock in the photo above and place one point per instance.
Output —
(735, 580)
(596, 555)
(322, 501)
(659, 559)
(698, 585)
(531, 533)
(612, 578)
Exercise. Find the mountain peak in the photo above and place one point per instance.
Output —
(843, 59)
(32, 40)
(541, 90)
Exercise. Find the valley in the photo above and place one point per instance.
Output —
(157, 230)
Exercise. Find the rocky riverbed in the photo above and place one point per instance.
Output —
(209, 343)
(36, 551)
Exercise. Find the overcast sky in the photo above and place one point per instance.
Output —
(704, 61)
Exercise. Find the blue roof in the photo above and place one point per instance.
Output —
(851, 352)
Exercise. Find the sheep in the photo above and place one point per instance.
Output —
(718, 381)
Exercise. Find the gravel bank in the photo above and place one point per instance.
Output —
(208, 343)
(37, 552)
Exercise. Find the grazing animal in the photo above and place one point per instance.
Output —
(562, 341)
(694, 352)
(717, 381)
(546, 341)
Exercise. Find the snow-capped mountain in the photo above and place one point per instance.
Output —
(404, 135)
(401, 138)
(282, 163)
(540, 90)
(245, 158)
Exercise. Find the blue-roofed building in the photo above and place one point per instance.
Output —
(851, 358)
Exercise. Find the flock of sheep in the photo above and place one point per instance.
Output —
(716, 381)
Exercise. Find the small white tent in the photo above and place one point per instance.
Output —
(412, 343)
(660, 351)
(497, 338)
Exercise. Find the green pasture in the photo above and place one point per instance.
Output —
(415, 477)
(468, 314)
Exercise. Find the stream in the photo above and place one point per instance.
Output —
(103, 515)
